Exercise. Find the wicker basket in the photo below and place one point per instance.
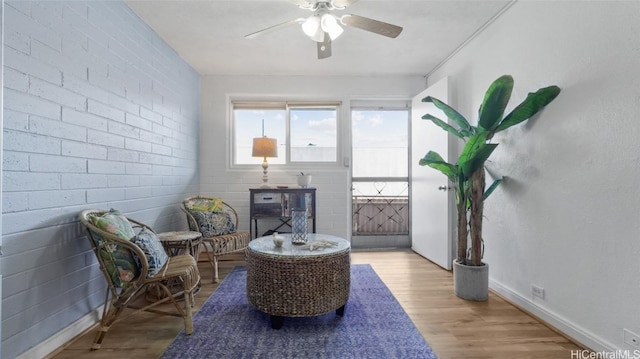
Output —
(298, 286)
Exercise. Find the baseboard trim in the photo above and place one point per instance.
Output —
(564, 327)
(58, 340)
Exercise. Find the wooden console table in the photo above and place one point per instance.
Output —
(276, 203)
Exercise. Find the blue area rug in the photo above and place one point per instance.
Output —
(374, 326)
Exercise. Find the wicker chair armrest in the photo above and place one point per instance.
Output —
(191, 222)
(233, 211)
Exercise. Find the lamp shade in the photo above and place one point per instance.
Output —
(265, 147)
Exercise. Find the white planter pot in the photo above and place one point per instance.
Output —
(471, 282)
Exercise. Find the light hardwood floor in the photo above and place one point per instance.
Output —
(454, 328)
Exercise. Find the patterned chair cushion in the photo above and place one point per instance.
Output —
(118, 260)
(114, 223)
(214, 223)
(204, 205)
(153, 250)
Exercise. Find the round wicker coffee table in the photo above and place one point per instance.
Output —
(297, 281)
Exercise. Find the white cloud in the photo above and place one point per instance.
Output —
(357, 116)
(324, 125)
(376, 120)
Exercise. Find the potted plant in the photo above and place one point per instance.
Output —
(471, 275)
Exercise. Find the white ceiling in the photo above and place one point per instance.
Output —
(209, 35)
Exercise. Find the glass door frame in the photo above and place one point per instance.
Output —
(381, 241)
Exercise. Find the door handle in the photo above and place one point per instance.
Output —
(444, 188)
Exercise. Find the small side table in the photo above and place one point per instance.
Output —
(179, 242)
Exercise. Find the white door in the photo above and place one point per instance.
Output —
(431, 210)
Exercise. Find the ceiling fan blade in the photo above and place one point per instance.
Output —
(302, 3)
(275, 27)
(324, 48)
(343, 3)
(364, 23)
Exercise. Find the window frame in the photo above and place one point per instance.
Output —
(287, 106)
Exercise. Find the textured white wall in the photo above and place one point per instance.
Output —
(567, 218)
(1, 141)
(333, 195)
(99, 113)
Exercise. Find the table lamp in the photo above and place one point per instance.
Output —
(265, 147)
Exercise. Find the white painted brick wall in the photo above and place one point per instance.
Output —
(16, 80)
(15, 120)
(56, 128)
(105, 111)
(15, 201)
(23, 102)
(105, 195)
(84, 119)
(44, 163)
(98, 166)
(15, 161)
(99, 113)
(26, 142)
(84, 150)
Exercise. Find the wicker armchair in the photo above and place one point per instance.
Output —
(216, 245)
(128, 281)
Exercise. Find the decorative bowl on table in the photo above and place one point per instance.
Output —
(277, 240)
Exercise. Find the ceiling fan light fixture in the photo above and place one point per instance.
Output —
(323, 27)
(312, 28)
(329, 24)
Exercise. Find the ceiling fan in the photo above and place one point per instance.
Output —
(324, 27)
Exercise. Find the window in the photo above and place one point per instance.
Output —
(380, 140)
(306, 132)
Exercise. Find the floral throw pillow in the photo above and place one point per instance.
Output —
(204, 205)
(214, 223)
(115, 223)
(118, 259)
(153, 250)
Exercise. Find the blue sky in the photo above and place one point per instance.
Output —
(379, 128)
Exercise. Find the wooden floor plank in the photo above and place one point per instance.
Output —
(453, 327)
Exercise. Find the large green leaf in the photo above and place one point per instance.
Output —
(452, 114)
(475, 152)
(492, 188)
(495, 101)
(434, 160)
(471, 147)
(477, 160)
(445, 126)
(530, 106)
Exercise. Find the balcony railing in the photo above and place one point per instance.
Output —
(380, 215)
